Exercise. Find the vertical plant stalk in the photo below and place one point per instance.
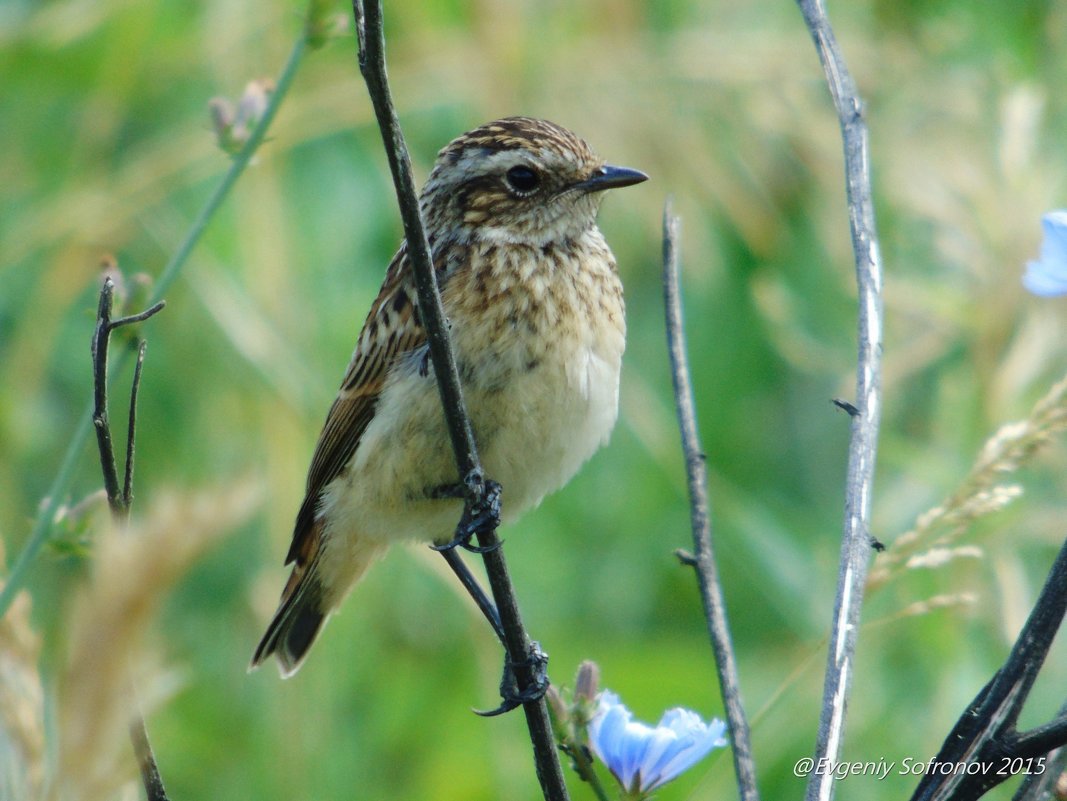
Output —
(702, 560)
(583, 766)
(865, 416)
(42, 524)
(119, 497)
(522, 654)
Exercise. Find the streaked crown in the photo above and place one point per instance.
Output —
(517, 179)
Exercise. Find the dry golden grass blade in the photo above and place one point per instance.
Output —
(980, 494)
(133, 570)
(21, 703)
(934, 603)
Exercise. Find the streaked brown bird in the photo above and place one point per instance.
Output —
(535, 306)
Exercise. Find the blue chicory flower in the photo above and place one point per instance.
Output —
(1048, 275)
(643, 757)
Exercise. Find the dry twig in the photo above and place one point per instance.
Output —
(46, 515)
(985, 735)
(119, 497)
(523, 656)
(856, 540)
(703, 557)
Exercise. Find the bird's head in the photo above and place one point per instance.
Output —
(518, 180)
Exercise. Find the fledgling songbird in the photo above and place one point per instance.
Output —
(535, 306)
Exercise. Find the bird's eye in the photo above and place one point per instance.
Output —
(523, 180)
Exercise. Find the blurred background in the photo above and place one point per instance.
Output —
(107, 151)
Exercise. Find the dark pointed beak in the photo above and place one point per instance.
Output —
(608, 177)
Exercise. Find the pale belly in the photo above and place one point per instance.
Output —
(533, 432)
(539, 364)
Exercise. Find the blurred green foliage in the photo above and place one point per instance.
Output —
(106, 149)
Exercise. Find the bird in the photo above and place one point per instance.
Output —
(535, 310)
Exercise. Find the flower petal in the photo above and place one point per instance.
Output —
(1054, 225)
(612, 740)
(687, 751)
(1048, 275)
(643, 757)
(662, 750)
(1042, 280)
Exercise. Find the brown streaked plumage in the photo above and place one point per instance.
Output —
(535, 307)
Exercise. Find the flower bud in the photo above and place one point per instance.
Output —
(587, 683)
(322, 24)
(561, 713)
(234, 127)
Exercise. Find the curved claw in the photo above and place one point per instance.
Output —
(505, 706)
(536, 661)
(514, 701)
(481, 548)
(478, 518)
(464, 542)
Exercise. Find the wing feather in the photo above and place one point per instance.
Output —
(391, 330)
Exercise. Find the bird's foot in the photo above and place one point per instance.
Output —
(480, 515)
(536, 663)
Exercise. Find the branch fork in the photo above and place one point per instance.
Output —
(120, 498)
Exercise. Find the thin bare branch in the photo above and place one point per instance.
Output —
(985, 733)
(523, 655)
(146, 760)
(46, 515)
(100, 343)
(372, 65)
(1046, 784)
(131, 426)
(1044, 738)
(119, 498)
(703, 557)
(856, 540)
(139, 317)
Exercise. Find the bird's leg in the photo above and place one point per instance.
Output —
(480, 514)
(470, 583)
(536, 660)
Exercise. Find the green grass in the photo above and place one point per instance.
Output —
(107, 149)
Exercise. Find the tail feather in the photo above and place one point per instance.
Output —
(295, 626)
(309, 597)
(290, 634)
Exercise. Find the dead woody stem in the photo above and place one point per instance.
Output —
(368, 17)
